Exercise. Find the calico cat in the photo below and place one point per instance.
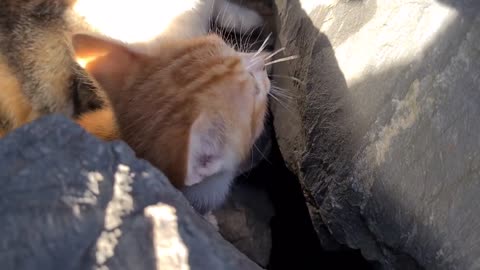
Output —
(188, 103)
(39, 73)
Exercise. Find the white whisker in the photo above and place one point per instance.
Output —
(264, 44)
(238, 45)
(251, 165)
(275, 53)
(283, 95)
(256, 39)
(253, 44)
(224, 9)
(263, 156)
(242, 36)
(254, 61)
(218, 14)
(289, 77)
(281, 89)
(282, 60)
(222, 12)
(284, 98)
(280, 102)
(247, 46)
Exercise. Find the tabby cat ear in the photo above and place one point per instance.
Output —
(109, 62)
(206, 151)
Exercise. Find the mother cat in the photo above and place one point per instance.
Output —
(188, 103)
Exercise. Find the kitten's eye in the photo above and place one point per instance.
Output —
(264, 68)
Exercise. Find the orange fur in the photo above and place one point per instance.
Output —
(100, 123)
(13, 103)
(158, 99)
(38, 74)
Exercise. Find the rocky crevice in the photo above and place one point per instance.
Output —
(375, 156)
(386, 123)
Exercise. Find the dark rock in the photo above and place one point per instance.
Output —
(70, 201)
(244, 220)
(383, 133)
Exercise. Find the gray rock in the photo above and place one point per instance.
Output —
(70, 201)
(383, 130)
(244, 220)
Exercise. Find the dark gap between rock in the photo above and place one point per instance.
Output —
(294, 241)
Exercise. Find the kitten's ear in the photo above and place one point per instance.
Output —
(109, 62)
(206, 150)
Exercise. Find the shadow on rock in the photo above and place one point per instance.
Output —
(70, 201)
(387, 162)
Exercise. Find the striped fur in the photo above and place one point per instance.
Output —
(198, 96)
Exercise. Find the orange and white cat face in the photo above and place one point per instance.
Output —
(194, 109)
(234, 101)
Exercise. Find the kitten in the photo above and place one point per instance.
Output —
(38, 73)
(194, 110)
(217, 95)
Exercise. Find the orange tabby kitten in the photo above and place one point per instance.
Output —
(193, 110)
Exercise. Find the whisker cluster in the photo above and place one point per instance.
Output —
(264, 45)
(245, 42)
(288, 58)
(275, 53)
(295, 79)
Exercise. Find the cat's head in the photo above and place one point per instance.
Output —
(194, 109)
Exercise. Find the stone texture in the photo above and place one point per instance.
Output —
(244, 220)
(383, 130)
(70, 201)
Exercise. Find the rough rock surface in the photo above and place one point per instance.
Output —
(69, 201)
(244, 220)
(384, 130)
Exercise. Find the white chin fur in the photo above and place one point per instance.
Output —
(210, 193)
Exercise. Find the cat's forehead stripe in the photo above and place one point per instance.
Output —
(204, 44)
(206, 70)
